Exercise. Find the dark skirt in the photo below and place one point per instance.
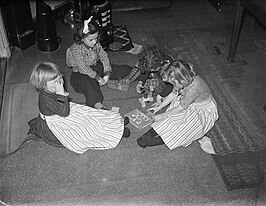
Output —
(39, 128)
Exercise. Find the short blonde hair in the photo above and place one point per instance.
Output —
(42, 73)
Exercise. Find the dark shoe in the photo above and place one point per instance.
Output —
(141, 143)
(126, 121)
(126, 133)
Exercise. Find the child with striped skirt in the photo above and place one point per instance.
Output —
(191, 114)
(66, 124)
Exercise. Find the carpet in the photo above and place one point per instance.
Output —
(240, 148)
(40, 174)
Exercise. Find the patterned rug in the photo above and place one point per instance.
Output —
(240, 148)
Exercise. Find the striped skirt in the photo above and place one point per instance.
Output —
(191, 124)
(87, 128)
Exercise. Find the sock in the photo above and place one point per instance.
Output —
(206, 145)
(134, 74)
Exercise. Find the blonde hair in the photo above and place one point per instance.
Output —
(42, 73)
(180, 71)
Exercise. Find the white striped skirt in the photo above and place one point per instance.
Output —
(87, 128)
(183, 128)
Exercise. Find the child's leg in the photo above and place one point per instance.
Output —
(74, 82)
(120, 71)
(149, 139)
(90, 88)
(134, 74)
(126, 77)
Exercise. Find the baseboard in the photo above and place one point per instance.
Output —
(122, 5)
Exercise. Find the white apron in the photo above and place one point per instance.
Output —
(87, 128)
(191, 124)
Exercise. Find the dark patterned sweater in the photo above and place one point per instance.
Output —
(51, 103)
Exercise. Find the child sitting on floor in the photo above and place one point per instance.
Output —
(150, 59)
(66, 124)
(91, 66)
(191, 113)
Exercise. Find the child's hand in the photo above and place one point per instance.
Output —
(157, 117)
(59, 86)
(157, 103)
(150, 114)
(101, 81)
(106, 79)
(139, 88)
(154, 109)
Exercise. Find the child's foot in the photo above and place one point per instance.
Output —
(141, 143)
(206, 145)
(99, 105)
(126, 133)
(126, 121)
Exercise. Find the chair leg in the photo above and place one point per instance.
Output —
(216, 4)
(236, 30)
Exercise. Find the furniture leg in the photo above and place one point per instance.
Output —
(216, 4)
(236, 30)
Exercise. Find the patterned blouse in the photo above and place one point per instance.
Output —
(197, 91)
(81, 58)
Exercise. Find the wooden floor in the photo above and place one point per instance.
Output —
(246, 84)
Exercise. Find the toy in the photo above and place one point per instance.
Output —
(147, 97)
(153, 84)
(139, 119)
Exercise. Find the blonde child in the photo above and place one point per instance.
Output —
(191, 114)
(74, 126)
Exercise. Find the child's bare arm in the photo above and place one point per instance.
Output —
(165, 102)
